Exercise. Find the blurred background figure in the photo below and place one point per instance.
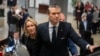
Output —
(99, 19)
(87, 6)
(72, 48)
(62, 17)
(11, 3)
(25, 14)
(85, 31)
(13, 20)
(89, 16)
(1, 1)
(78, 12)
(1, 51)
(15, 40)
(95, 20)
(13, 44)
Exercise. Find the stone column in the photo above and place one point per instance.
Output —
(98, 3)
(31, 10)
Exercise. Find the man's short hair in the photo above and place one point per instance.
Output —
(24, 9)
(15, 32)
(53, 6)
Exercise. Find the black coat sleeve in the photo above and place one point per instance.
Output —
(74, 36)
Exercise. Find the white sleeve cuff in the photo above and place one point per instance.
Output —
(87, 46)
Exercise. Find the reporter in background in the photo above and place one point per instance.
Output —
(71, 45)
(85, 32)
(15, 40)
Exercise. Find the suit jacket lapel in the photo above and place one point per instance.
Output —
(88, 26)
(47, 32)
(83, 25)
(60, 30)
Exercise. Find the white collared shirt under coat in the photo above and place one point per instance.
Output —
(51, 30)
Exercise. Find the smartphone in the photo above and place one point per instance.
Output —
(9, 49)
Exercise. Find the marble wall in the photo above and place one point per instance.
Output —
(69, 8)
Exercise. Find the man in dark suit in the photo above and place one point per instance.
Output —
(9, 14)
(15, 46)
(85, 25)
(85, 31)
(12, 44)
(11, 3)
(24, 16)
(89, 16)
(53, 35)
(15, 40)
(12, 21)
(1, 1)
(72, 48)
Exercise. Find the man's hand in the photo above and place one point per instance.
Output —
(92, 47)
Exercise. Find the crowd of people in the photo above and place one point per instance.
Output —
(37, 42)
(92, 14)
(87, 16)
(55, 37)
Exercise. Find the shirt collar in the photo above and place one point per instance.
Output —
(85, 21)
(16, 39)
(50, 25)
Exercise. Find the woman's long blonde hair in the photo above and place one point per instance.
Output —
(25, 30)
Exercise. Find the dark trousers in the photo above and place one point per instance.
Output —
(11, 3)
(78, 19)
(77, 22)
(1, 1)
(84, 52)
(87, 37)
(94, 27)
(99, 26)
(2, 12)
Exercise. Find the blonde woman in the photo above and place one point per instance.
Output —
(29, 36)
